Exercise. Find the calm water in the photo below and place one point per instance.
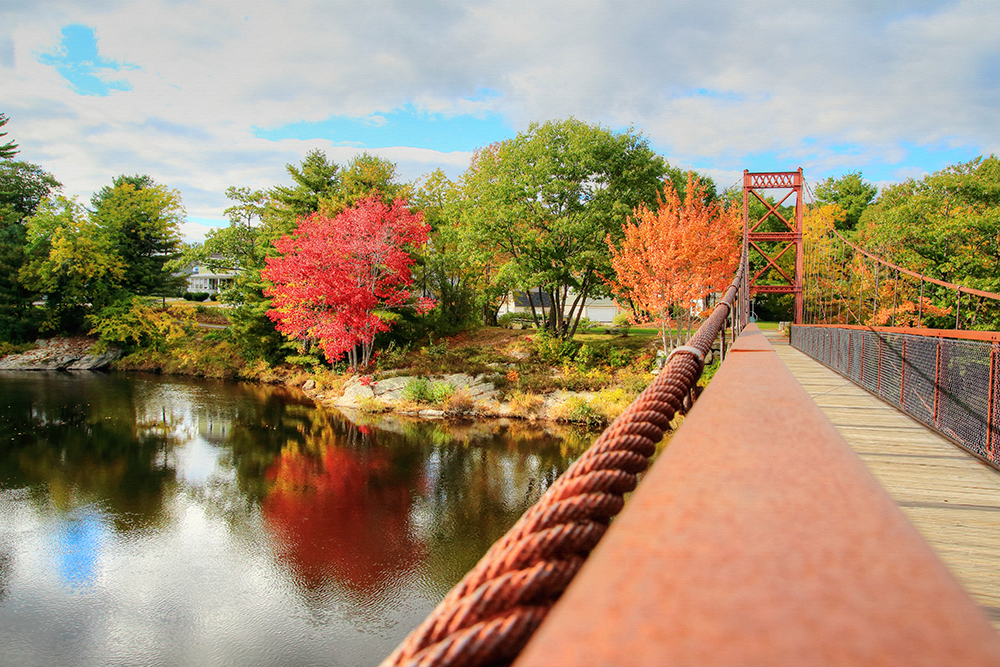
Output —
(150, 521)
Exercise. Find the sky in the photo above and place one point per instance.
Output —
(205, 94)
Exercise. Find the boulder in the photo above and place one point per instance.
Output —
(62, 354)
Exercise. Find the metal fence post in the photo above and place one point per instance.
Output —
(902, 376)
(878, 381)
(937, 381)
(991, 404)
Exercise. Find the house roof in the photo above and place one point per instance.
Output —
(538, 299)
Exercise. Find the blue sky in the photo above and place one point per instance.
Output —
(208, 93)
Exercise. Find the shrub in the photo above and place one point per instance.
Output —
(391, 356)
(12, 348)
(610, 403)
(507, 319)
(525, 405)
(435, 351)
(633, 381)
(576, 409)
(551, 349)
(620, 357)
(440, 392)
(417, 390)
(459, 402)
(135, 323)
(371, 405)
(623, 321)
(575, 379)
(196, 296)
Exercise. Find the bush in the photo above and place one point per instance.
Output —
(440, 392)
(371, 405)
(14, 348)
(196, 296)
(552, 349)
(610, 403)
(417, 390)
(508, 319)
(623, 321)
(633, 380)
(575, 379)
(576, 409)
(135, 323)
(435, 351)
(459, 402)
(391, 356)
(525, 405)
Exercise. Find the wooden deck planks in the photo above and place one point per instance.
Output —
(950, 496)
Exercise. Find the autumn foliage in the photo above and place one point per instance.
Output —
(336, 278)
(675, 255)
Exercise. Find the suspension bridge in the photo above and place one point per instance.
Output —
(832, 498)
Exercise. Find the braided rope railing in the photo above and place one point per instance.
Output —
(489, 616)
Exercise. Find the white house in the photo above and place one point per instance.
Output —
(203, 280)
(601, 309)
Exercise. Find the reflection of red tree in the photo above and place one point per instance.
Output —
(340, 515)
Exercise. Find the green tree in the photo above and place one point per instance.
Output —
(23, 186)
(142, 221)
(241, 248)
(72, 261)
(851, 192)
(315, 179)
(442, 270)
(544, 202)
(363, 175)
(947, 226)
(9, 149)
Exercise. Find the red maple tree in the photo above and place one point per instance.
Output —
(676, 255)
(336, 278)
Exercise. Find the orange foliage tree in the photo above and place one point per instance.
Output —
(672, 257)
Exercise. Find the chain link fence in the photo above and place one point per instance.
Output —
(948, 384)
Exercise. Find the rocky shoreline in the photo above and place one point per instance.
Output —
(387, 395)
(61, 354)
(481, 399)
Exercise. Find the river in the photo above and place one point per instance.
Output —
(160, 521)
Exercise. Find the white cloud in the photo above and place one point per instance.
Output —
(836, 86)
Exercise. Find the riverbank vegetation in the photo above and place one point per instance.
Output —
(348, 271)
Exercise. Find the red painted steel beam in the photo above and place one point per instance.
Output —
(774, 236)
(759, 538)
(774, 289)
(794, 184)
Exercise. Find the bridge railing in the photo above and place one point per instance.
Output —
(945, 379)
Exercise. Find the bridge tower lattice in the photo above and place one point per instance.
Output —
(790, 183)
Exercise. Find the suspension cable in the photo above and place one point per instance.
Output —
(488, 617)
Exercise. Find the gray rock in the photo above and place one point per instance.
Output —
(58, 354)
(391, 389)
(309, 385)
(431, 414)
(353, 391)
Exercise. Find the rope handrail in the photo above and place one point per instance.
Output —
(489, 616)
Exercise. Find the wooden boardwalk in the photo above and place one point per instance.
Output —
(950, 496)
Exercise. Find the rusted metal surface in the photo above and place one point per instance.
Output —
(792, 183)
(492, 612)
(759, 538)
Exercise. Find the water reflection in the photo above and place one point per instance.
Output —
(157, 521)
